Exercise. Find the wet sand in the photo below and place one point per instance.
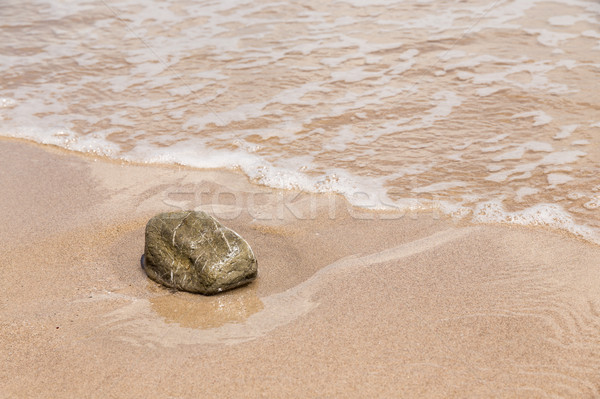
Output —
(347, 303)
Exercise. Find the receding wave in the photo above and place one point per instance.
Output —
(487, 111)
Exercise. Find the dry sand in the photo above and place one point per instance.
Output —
(347, 304)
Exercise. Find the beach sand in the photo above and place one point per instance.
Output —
(347, 303)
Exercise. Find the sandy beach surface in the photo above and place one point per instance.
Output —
(347, 303)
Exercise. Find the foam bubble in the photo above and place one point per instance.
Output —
(565, 131)
(539, 117)
(558, 178)
(488, 91)
(565, 20)
(550, 38)
(592, 204)
(524, 192)
(518, 152)
(591, 33)
(7, 102)
(562, 157)
(450, 54)
(95, 143)
(547, 215)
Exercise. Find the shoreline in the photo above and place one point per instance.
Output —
(241, 177)
(418, 305)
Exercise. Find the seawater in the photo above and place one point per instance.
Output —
(486, 110)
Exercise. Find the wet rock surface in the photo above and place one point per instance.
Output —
(192, 251)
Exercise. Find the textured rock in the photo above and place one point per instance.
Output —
(192, 251)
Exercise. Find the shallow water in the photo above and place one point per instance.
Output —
(487, 110)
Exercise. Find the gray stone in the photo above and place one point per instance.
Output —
(192, 251)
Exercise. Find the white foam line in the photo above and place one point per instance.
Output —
(548, 215)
